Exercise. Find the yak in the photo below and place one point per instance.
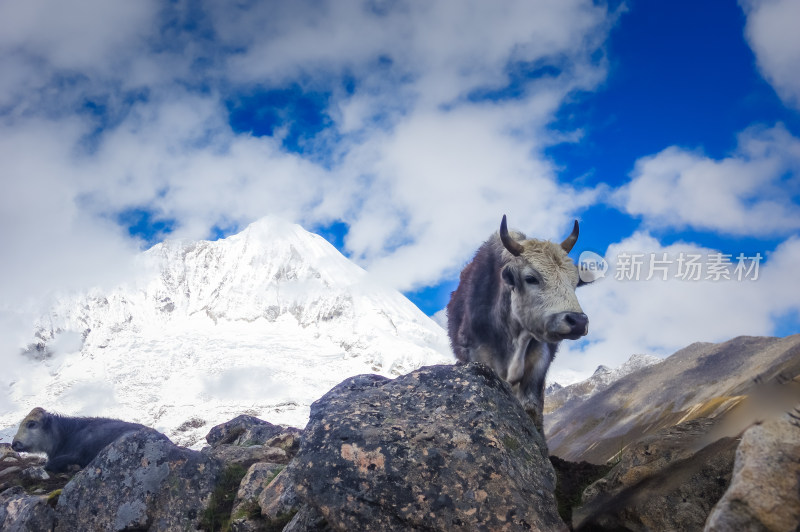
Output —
(68, 441)
(514, 303)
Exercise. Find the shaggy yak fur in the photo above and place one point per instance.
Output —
(514, 303)
(66, 440)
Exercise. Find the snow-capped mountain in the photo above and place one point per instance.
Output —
(263, 322)
(441, 318)
(556, 395)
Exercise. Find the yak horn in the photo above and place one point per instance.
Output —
(514, 247)
(571, 239)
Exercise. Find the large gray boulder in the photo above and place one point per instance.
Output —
(140, 482)
(764, 493)
(441, 448)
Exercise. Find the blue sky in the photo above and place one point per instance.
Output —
(403, 131)
(681, 73)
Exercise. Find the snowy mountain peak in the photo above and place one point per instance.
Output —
(637, 362)
(263, 322)
(603, 377)
(267, 270)
(601, 370)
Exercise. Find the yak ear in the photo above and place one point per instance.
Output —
(508, 275)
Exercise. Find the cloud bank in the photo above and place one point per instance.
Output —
(754, 191)
(771, 31)
(435, 119)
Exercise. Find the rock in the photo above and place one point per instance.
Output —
(573, 478)
(246, 456)
(441, 448)
(258, 477)
(307, 520)
(34, 473)
(764, 493)
(7, 453)
(26, 471)
(651, 454)
(662, 482)
(243, 430)
(246, 440)
(246, 513)
(246, 524)
(267, 501)
(279, 501)
(22, 512)
(262, 447)
(142, 481)
(13, 470)
(288, 440)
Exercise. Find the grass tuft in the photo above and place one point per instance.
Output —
(217, 515)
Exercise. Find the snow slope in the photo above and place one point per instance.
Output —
(263, 322)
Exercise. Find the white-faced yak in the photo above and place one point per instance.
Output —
(514, 303)
(67, 440)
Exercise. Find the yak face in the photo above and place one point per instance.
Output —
(542, 280)
(33, 435)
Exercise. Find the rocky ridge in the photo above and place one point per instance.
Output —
(557, 396)
(441, 448)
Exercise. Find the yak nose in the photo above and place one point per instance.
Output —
(17, 446)
(578, 322)
(569, 325)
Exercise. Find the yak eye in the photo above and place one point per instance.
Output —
(530, 279)
(31, 424)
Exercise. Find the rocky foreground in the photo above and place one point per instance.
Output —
(441, 448)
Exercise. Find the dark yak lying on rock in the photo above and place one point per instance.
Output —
(68, 440)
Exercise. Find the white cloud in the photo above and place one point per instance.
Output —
(179, 158)
(771, 31)
(76, 35)
(659, 317)
(751, 192)
(126, 108)
(450, 176)
(51, 242)
(55, 54)
(443, 48)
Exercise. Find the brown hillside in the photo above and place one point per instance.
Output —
(701, 380)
